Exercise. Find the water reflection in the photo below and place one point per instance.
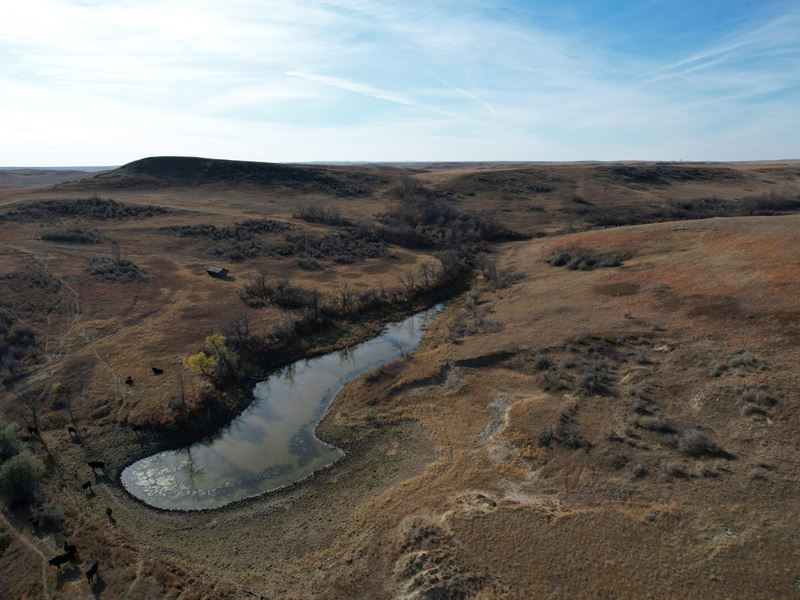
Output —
(272, 443)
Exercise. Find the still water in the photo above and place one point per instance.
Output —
(272, 443)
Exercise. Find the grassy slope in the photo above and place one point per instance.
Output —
(489, 509)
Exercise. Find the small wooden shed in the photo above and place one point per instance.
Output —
(218, 272)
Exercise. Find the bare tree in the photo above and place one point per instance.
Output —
(237, 330)
(426, 271)
(346, 299)
(408, 282)
(409, 186)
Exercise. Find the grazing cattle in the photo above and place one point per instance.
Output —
(157, 371)
(92, 571)
(129, 380)
(109, 512)
(71, 550)
(87, 487)
(72, 431)
(97, 464)
(136, 428)
(59, 560)
(33, 431)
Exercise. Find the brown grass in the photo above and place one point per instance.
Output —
(445, 485)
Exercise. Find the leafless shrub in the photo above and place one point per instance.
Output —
(320, 214)
(545, 437)
(280, 293)
(88, 208)
(567, 433)
(308, 264)
(73, 236)
(654, 423)
(759, 396)
(18, 345)
(672, 469)
(696, 443)
(121, 271)
(593, 380)
(577, 258)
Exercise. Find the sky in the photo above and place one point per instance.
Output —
(88, 83)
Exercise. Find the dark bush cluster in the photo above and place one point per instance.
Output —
(584, 259)
(26, 280)
(756, 400)
(664, 174)
(263, 292)
(566, 432)
(109, 269)
(18, 344)
(509, 181)
(647, 415)
(495, 277)
(19, 470)
(741, 360)
(698, 208)
(655, 423)
(73, 236)
(587, 365)
(244, 230)
(696, 443)
(238, 251)
(759, 396)
(309, 264)
(320, 214)
(593, 379)
(346, 302)
(88, 208)
(342, 247)
(423, 221)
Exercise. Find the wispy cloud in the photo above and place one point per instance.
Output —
(354, 86)
(471, 96)
(109, 82)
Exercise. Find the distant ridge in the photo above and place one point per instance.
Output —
(160, 171)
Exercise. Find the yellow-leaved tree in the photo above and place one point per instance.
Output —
(215, 361)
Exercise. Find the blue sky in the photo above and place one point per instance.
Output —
(106, 83)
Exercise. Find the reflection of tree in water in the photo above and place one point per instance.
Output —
(347, 354)
(192, 470)
(289, 372)
(397, 345)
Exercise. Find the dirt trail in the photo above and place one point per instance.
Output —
(31, 546)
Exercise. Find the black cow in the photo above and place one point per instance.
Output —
(33, 431)
(92, 571)
(87, 488)
(157, 371)
(59, 560)
(72, 431)
(129, 380)
(97, 464)
(71, 550)
(109, 512)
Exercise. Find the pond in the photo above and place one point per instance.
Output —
(272, 443)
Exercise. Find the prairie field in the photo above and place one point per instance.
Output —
(607, 406)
